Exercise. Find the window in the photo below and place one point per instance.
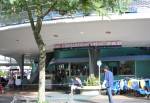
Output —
(121, 67)
(127, 68)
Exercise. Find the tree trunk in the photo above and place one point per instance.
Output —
(41, 97)
(42, 58)
(93, 56)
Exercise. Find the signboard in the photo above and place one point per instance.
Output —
(90, 43)
(99, 63)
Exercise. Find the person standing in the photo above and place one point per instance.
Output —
(108, 81)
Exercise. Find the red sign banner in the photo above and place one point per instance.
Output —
(86, 44)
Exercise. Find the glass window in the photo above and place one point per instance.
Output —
(127, 68)
(121, 67)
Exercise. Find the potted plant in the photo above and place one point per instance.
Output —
(92, 81)
(92, 86)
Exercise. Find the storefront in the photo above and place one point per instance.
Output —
(123, 62)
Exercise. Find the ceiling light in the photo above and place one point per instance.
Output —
(81, 32)
(107, 32)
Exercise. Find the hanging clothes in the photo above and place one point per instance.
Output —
(133, 84)
(129, 83)
(125, 85)
(121, 84)
(142, 84)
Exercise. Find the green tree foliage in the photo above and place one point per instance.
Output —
(65, 6)
(2, 74)
(92, 81)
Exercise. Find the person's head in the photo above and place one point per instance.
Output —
(76, 78)
(105, 68)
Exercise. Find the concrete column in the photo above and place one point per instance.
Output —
(69, 68)
(135, 72)
(21, 64)
(20, 60)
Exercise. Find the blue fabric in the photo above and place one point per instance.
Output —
(116, 87)
(147, 82)
(135, 85)
(109, 93)
(109, 79)
(125, 85)
(141, 91)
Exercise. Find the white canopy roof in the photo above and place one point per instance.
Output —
(132, 30)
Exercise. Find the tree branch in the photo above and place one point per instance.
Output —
(43, 15)
(30, 15)
(38, 24)
(39, 19)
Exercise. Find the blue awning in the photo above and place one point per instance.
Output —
(126, 58)
(116, 58)
(71, 60)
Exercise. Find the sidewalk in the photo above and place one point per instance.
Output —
(60, 97)
(8, 96)
(22, 93)
(5, 99)
(66, 98)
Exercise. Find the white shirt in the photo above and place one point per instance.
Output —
(18, 82)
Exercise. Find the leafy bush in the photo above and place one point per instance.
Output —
(92, 81)
(2, 74)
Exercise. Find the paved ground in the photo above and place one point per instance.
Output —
(5, 99)
(65, 98)
(59, 97)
